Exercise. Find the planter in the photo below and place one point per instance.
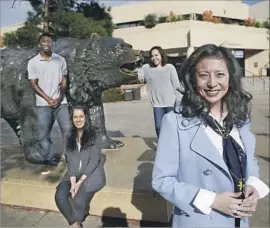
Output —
(136, 93)
(128, 96)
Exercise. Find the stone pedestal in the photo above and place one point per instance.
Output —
(128, 188)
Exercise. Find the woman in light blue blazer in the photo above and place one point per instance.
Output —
(205, 163)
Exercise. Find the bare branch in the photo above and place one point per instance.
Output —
(14, 1)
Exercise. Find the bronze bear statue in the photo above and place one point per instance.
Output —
(94, 65)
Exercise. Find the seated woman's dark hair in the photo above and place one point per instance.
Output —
(236, 99)
(161, 52)
(89, 131)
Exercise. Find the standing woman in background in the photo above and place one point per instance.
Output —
(162, 82)
(85, 175)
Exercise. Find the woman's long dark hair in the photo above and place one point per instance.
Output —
(89, 132)
(236, 99)
(162, 54)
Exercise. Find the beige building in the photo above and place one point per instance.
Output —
(260, 11)
(250, 45)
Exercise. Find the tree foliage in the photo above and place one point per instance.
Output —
(26, 36)
(76, 25)
(66, 18)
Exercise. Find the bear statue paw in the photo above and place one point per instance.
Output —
(108, 143)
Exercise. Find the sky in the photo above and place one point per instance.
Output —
(18, 14)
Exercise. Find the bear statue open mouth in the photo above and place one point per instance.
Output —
(129, 69)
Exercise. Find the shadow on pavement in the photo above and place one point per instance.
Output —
(115, 134)
(264, 158)
(118, 219)
(143, 182)
(149, 155)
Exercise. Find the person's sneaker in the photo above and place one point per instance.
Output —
(47, 170)
(51, 164)
(64, 158)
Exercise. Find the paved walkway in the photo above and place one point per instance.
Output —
(18, 217)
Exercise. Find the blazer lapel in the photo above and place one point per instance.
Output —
(202, 145)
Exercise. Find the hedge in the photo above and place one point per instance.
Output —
(112, 95)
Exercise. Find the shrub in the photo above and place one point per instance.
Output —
(259, 24)
(150, 20)
(250, 22)
(162, 19)
(216, 20)
(173, 18)
(208, 16)
(267, 23)
(112, 95)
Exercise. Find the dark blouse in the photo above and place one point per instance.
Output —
(89, 162)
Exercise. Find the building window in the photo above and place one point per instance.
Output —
(129, 24)
(197, 17)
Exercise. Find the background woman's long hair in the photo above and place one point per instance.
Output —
(89, 132)
(237, 100)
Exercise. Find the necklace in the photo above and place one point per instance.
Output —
(241, 182)
(221, 130)
(237, 177)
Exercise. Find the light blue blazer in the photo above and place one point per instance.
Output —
(186, 161)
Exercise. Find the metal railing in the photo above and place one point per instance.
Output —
(254, 76)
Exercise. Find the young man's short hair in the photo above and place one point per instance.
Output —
(47, 34)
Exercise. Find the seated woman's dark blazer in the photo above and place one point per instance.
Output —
(92, 165)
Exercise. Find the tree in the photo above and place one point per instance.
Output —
(10, 39)
(26, 36)
(76, 25)
(62, 18)
(46, 15)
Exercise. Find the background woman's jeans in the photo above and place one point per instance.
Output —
(46, 117)
(159, 112)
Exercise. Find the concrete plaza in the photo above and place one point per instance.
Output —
(135, 120)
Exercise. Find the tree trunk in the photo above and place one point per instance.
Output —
(46, 16)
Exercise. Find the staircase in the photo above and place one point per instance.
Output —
(256, 83)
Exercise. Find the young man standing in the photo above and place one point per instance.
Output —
(47, 72)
